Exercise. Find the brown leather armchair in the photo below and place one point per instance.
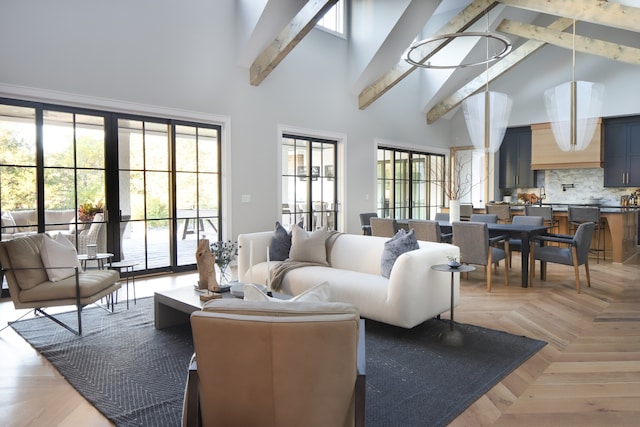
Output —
(274, 364)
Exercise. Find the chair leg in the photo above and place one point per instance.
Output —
(532, 265)
(574, 253)
(488, 267)
(506, 270)
(586, 269)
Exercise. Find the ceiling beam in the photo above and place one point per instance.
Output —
(290, 36)
(495, 71)
(402, 69)
(595, 11)
(614, 51)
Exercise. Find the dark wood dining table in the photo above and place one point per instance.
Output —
(514, 231)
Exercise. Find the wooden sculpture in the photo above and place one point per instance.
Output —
(205, 261)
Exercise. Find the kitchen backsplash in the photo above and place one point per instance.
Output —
(588, 187)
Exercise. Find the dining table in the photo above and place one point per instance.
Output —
(513, 231)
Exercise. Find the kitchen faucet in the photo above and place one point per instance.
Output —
(543, 195)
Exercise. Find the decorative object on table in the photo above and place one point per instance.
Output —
(205, 261)
(224, 253)
(87, 211)
(453, 262)
(92, 250)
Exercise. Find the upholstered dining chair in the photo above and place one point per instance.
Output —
(276, 364)
(429, 231)
(384, 227)
(365, 222)
(574, 251)
(502, 211)
(516, 244)
(441, 216)
(477, 248)
(466, 210)
(488, 218)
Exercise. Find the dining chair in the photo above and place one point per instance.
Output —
(502, 211)
(365, 222)
(441, 216)
(477, 248)
(466, 210)
(429, 231)
(488, 218)
(573, 250)
(546, 212)
(384, 227)
(516, 244)
(577, 215)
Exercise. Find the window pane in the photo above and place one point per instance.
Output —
(90, 141)
(59, 185)
(132, 194)
(157, 195)
(91, 186)
(17, 136)
(130, 145)
(18, 188)
(208, 149)
(58, 137)
(186, 149)
(156, 146)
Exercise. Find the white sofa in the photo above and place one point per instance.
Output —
(412, 294)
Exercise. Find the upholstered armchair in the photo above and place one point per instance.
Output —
(44, 274)
(274, 364)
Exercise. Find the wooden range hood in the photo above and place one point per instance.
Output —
(545, 153)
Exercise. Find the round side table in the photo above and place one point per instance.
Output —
(452, 336)
(127, 267)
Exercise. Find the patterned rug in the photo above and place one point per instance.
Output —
(135, 375)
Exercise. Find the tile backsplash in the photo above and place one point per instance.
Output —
(588, 187)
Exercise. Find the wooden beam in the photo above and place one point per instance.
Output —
(290, 36)
(402, 69)
(583, 44)
(595, 11)
(495, 71)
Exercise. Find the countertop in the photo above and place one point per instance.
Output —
(565, 206)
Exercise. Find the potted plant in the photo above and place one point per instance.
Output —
(88, 210)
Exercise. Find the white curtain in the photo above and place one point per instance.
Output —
(474, 115)
(588, 110)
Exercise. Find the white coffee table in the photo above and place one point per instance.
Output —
(174, 306)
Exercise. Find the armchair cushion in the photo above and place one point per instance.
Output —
(400, 243)
(25, 259)
(308, 247)
(57, 254)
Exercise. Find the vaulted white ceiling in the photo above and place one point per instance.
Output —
(380, 31)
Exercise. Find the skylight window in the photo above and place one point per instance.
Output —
(333, 20)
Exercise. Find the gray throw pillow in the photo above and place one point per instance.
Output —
(400, 243)
(280, 243)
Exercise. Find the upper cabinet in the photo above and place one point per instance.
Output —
(515, 159)
(622, 152)
(545, 153)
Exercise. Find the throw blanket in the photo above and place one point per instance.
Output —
(279, 271)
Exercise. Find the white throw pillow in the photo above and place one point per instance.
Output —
(319, 293)
(57, 254)
(308, 247)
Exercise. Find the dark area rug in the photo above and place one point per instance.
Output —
(135, 375)
(414, 380)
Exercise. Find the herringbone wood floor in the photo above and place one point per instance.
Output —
(588, 375)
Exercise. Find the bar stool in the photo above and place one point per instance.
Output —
(546, 213)
(503, 212)
(581, 214)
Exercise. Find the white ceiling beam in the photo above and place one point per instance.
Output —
(290, 36)
(595, 11)
(614, 51)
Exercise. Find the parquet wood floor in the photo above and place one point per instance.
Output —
(588, 374)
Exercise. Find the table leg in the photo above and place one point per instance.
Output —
(452, 336)
(524, 252)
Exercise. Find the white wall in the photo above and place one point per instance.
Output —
(160, 55)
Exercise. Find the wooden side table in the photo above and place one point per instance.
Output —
(452, 336)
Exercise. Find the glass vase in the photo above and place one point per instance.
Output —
(224, 274)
